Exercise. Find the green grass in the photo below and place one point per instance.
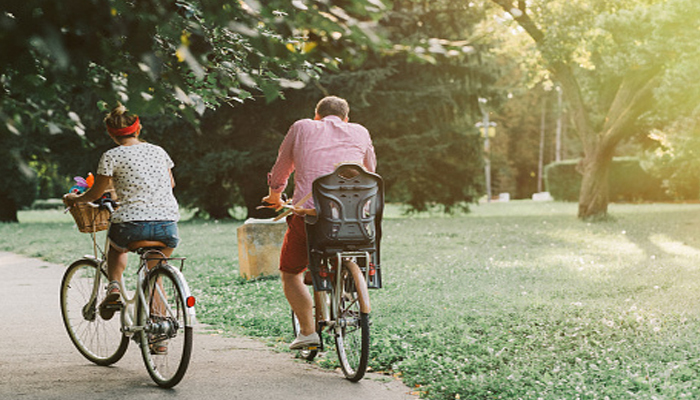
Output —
(514, 300)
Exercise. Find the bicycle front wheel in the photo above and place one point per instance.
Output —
(352, 322)
(100, 341)
(166, 340)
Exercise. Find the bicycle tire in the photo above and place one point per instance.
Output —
(166, 299)
(100, 341)
(351, 323)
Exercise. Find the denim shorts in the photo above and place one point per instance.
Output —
(123, 233)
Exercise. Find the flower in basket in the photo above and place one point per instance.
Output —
(82, 184)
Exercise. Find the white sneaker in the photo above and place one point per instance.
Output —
(303, 341)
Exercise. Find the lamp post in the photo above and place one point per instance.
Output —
(485, 125)
(557, 153)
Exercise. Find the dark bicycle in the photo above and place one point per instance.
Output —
(343, 247)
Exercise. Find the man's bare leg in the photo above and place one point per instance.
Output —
(299, 299)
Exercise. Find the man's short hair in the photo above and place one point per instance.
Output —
(332, 105)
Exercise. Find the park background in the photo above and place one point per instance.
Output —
(594, 101)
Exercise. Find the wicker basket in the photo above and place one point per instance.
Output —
(91, 219)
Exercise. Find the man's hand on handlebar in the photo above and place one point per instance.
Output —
(274, 200)
(278, 201)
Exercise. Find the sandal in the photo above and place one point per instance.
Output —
(111, 302)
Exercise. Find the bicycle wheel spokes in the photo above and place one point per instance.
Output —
(352, 327)
(166, 343)
(100, 341)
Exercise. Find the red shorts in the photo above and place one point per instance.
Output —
(294, 258)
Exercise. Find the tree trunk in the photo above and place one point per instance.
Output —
(593, 198)
(218, 211)
(216, 205)
(8, 208)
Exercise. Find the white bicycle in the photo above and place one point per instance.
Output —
(158, 314)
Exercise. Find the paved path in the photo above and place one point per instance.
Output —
(38, 360)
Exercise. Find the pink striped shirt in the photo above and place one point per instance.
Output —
(314, 148)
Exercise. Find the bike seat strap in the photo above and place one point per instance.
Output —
(140, 244)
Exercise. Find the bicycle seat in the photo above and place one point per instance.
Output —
(146, 244)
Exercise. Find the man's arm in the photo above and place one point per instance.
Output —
(370, 160)
(279, 175)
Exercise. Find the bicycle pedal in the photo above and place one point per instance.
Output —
(113, 306)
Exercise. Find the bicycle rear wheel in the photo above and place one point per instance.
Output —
(100, 341)
(352, 323)
(166, 340)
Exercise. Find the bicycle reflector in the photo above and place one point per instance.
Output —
(190, 301)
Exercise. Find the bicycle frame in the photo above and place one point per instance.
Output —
(324, 317)
(346, 257)
(131, 304)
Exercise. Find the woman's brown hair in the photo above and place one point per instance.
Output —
(119, 117)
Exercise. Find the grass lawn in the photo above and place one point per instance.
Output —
(514, 300)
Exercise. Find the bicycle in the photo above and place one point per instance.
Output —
(343, 237)
(160, 310)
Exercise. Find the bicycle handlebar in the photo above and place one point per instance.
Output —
(105, 202)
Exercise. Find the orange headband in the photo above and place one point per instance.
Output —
(124, 131)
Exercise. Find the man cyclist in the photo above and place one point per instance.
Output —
(312, 148)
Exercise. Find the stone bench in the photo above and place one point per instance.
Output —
(259, 247)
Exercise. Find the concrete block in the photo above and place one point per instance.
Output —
(259, 247)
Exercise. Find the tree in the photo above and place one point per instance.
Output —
(612, 59)
(421, 102)
(675, 160)
(418, 105)
(223, 163)
(205, 54)
(515, 146)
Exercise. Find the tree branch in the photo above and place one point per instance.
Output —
(631, 100)
(524, 19)
(561, 72)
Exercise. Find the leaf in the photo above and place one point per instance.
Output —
(300, 5)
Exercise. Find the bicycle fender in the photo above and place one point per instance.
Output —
(182, 284)
(361, 286)
(89, 257)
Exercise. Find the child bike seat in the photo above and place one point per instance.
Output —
(349, 206)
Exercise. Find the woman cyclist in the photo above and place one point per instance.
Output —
(142, 178)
